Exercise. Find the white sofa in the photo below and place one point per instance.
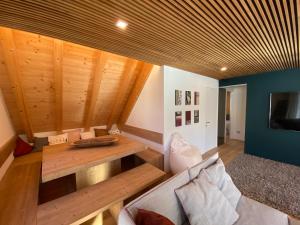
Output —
(162, 199)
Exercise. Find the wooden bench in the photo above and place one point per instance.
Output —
(19, 191)
(86, 203)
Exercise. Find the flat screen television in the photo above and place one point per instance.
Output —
(285, 111)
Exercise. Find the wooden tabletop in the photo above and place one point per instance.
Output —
(63, 159)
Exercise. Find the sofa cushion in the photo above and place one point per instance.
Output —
(22, 147)
(182, 154)
(73, 135)
(58, 139)
(40, 143)
(205, 204)
(162, 199)
(195, 170)
(219, 177)
(145, 217)
(253, 213)
(100, 132)
(87, 135)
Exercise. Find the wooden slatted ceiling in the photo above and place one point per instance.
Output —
(247, 36)
(49, 84)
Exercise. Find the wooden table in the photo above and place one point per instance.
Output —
(61, 160)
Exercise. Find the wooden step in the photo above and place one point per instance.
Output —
(86, 203)
(150, 156)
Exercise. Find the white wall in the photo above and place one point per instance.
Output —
(6, 132)
(155, 108)
(187, 81)
(238, 99)
(148, 110)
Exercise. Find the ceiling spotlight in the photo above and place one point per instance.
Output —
(223, 69)
(121, 24)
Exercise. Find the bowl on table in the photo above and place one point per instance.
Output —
(95, 142)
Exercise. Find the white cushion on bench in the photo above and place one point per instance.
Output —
(254, 213)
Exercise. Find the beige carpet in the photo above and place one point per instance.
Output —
(272, 183)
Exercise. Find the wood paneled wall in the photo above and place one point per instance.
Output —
(49, 84)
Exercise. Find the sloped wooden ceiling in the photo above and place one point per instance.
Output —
(51, 85)
(247, 36)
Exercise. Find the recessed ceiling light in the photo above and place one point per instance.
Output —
(223, 69)
(121, 24)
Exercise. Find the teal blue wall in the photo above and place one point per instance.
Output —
(280, 145)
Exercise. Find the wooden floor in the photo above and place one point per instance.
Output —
(230, 150)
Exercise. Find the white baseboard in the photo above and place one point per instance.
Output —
(5, 165)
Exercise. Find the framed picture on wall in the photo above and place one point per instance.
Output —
(178, 118)
(188, 98)
(196, 98)
(188, 117)
(178, 97)
(196, 116)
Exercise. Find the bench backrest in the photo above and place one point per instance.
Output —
(162, 199)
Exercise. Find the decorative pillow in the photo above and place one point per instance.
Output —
(22, 147)
(205, 204)
(114, 130)
(179, 144)
(58, 139)
(87, 135)
(145, 217)
(39, 143)
(183, 155)
(221, 178)
(100, 132)
(73, 135)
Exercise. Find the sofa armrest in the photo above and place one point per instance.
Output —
(125, 218)
(293, 221)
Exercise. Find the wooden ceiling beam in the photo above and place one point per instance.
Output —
(58, 82)
(261, 26)
(287, 5)
(281, 32)
(284, 29)
(293, 9)
(260, 37)
(135, 93)
(11, 61)
(248, 36)
(221, 15)
(209, 25)
(143, 14)
(268, 13)
(298, 34)
(130, 67)
(271, 34)
(100, 62)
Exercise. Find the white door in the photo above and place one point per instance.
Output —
(211, 118)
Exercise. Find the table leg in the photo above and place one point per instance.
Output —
(115, 210)
(95, 175)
